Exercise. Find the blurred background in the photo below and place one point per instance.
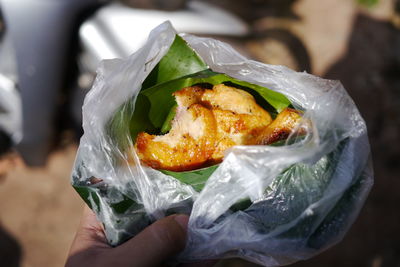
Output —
(49, 51)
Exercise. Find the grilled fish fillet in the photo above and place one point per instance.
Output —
(207, 122)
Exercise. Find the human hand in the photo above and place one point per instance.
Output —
(151, 247)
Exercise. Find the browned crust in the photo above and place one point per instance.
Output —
(221, 126)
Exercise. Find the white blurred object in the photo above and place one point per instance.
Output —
(10, 100)
(41, 32)
(116, 31)
(10, 109)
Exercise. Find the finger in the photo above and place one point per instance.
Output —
(90, 233)
(155, 244)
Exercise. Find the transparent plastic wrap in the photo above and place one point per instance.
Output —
(272, 205)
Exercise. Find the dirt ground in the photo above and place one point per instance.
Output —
(39, 210)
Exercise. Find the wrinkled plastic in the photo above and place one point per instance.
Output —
(304, 195)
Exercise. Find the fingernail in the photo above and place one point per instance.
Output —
(182, 220)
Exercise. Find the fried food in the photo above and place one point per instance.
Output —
(207, 123)
(239, 118)
(188, 145)
(280, 128)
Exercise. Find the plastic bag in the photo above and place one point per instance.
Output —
(302, 197)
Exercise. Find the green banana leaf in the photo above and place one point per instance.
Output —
(180, 60)
(197, 178)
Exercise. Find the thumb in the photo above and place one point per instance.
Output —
(155, 244)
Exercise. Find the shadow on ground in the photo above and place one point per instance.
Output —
(10, 249)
